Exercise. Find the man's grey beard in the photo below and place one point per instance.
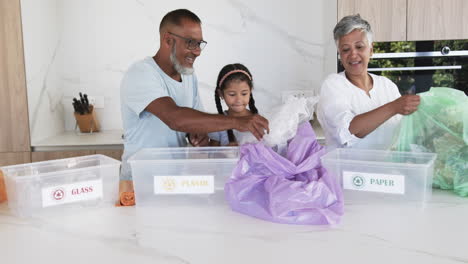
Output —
(177, 66)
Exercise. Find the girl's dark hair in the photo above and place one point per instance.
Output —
(236, 76)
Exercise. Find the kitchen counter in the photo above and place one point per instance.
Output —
(108, 139)
(74, 140)
(369, 233)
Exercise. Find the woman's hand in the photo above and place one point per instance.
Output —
(365, 123)
(406, 104)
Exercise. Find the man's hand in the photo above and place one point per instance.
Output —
(406, 104)
(199, 140)
(191, 121)
(255, 124)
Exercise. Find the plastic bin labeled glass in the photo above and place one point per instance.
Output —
(382, 176)
(86, 181)
(176, 185)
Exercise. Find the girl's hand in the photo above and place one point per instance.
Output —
(406, 104)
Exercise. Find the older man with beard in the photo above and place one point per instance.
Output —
(160, 103)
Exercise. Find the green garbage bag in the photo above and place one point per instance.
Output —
(440, 125)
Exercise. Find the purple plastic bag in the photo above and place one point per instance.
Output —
(292, 190)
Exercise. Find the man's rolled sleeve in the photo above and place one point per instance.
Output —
(140, 88)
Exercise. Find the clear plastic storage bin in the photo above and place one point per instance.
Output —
(86, 181)
(382, 176)
(174, 185)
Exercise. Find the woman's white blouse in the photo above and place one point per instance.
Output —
(340, 101)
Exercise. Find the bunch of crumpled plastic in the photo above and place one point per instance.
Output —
(281, 178)
(283, 122)
(440, 125)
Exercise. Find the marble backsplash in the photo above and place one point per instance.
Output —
(86, 46)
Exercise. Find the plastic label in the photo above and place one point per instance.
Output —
(374, 182)
(195, 184)
(70, 193)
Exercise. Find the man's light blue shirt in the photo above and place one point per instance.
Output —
(143, 83)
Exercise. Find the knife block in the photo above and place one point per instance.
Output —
(88, 122)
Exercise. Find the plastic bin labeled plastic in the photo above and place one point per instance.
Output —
(382, 176)
(181, 184)
(86, 181)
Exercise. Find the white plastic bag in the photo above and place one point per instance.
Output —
(283, 121)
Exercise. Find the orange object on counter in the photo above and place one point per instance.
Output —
(126, 193)
(3, 194)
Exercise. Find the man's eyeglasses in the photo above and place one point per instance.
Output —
(191, 43)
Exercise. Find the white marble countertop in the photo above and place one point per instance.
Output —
(368, 234)
(76, 139)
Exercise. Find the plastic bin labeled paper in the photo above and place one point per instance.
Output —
(175, 185)
(382, 176)
(85, 181)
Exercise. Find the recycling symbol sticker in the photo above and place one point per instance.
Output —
(358, 181)
(58, 194)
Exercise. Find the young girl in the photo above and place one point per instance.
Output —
(234, 86)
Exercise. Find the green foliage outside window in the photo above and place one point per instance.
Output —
(440, 78)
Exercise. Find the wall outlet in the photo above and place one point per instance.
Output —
(296, 94)
(96, 101)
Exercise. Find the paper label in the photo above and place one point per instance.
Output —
(195, 184)
(70, 193)
(374, 182)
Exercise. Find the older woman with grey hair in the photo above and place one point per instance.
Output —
(356, 108)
